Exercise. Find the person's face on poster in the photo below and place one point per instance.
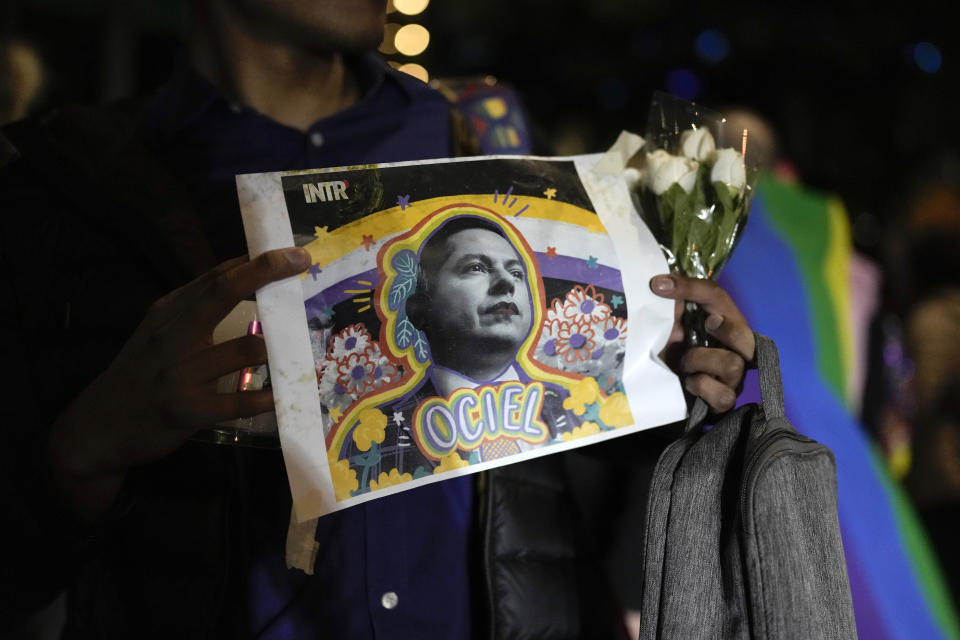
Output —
(479, 298)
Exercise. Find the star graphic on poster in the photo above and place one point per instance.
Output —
(403, 202)
(398, 418)
(551, 193)
(335, 413)
(367, 242)
(551, 252)
(314, 270)
(327, 312)
(616, 300)
(592, 262)
(319, 232)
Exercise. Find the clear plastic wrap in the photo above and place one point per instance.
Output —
(694, 196)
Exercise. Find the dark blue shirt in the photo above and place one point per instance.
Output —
(397, 567)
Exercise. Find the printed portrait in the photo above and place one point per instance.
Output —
(471, 363)
(457, 315)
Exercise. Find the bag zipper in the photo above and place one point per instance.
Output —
(765, 451)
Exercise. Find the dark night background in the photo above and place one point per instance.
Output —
(854, 110)
(862, 95)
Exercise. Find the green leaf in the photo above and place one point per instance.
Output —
(404, 333)
(724, 194)
(692, 224)
(672, 203)
(698, 229)
(729, 223)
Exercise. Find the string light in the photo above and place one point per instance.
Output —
(415, 70)
(411, 39)
(410, 7)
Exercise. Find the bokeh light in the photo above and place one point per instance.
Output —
(927, 57)
(410, 7)
(411, 39)
(712, 46)
(415, 70)
(683, 83)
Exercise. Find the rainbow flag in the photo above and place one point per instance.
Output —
(790, 276)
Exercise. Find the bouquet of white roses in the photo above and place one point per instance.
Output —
(693, 196)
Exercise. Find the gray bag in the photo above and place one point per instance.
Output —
(742, 538)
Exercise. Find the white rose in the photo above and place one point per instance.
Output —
(728, 168)
(697, 144)
(663, 170)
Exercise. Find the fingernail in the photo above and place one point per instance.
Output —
(713, 322)
(663, 284)
(298, 257)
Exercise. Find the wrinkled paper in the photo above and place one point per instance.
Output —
(458, 315)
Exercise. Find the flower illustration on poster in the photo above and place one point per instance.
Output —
(343, 477)
(583, 393)
(390, 479)
(355, 373)
(354, 339)
(614, 332)
(581, 334)
(353, 366)
(575, 341)
(584, 304)
(584, 430)
(450, 462)
(371, 427)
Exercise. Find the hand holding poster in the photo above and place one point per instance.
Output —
(459, 315)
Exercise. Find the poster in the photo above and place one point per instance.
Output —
(458, 315)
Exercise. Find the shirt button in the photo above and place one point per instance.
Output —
(316, 139)
(234, 107)
(389, 600)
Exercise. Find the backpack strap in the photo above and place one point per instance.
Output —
(698, 413)
(771, 385)
(768, 368)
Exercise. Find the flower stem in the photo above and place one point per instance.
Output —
(695, 335)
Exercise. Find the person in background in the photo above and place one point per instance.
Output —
(22, 79)
(120, 242)
(911, 397)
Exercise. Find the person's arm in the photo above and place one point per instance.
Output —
(714, 374)
(69, 442)
(162, 386)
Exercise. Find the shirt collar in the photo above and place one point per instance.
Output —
(446, 381)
